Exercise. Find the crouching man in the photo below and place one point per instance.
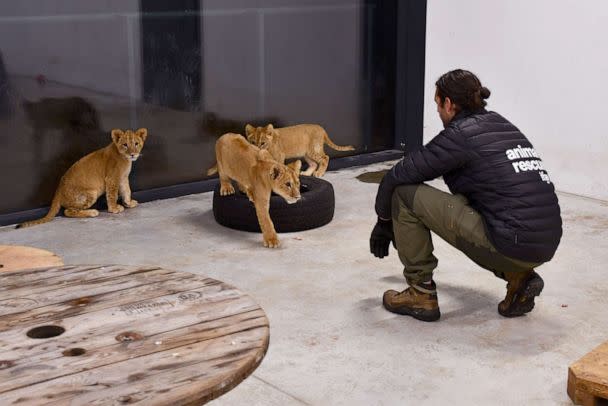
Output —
(502, 211)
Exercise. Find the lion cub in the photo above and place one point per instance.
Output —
(298, 141)
(103, 171)
(257, 175)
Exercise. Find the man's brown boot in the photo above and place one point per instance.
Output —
(522, 287)
(416, 301)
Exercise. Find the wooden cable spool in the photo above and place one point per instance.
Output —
(15, 257)
(84, 335)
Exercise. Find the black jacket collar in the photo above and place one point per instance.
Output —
(466, 113)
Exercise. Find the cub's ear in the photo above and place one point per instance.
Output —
(116, 134)
(143, 133)
(296, 165)
(269, 127)
(249, 129)
(275, 172)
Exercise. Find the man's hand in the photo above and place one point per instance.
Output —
(381, 237)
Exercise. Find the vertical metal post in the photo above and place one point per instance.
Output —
(409, 103)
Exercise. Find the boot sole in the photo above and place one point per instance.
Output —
(418, 314)
(524, 300)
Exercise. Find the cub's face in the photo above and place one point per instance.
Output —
(285, 181)
(261, 137)
(129, 143)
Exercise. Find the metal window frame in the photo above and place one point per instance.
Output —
(411, 44)
(207, 185)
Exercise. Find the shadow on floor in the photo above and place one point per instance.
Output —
(204, 221)
(475, 314)
(372, 177)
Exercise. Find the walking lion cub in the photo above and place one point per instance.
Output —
(257, 175)
(103, 171)
(299, 141)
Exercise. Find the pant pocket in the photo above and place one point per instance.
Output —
(453, 212)
(472, 228)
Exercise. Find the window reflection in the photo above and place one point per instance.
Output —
(188, 71)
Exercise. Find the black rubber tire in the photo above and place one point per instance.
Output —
(314, 209)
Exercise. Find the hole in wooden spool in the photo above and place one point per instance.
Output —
(83, 301)
(5, 364)
(45, 332)
(74, 352)
(129, 336)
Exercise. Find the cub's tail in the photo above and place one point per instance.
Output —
(55, 207)
(212, 170)
(336, 147)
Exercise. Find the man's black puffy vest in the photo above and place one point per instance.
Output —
(487, 159)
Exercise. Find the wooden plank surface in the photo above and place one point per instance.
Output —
(588, 377)
(195, 337)
(15, 258)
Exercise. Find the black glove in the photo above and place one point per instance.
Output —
(381, 237)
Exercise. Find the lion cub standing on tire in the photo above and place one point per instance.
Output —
(103, 171)
(299, 141)
(257, 175)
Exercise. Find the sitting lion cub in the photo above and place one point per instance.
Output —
(103, 171)
(298, 141)
(257, 175)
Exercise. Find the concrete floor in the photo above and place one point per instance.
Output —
(331, 340)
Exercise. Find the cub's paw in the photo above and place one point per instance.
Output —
(226, 190)
(117, 209)
(272, 242)
(131, 204)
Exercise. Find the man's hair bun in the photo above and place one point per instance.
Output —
(484, 92)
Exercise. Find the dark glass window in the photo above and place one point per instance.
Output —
(189, 71)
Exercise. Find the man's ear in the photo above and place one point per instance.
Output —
(249, 129)
(116, 134)
(143, 133)
(296, 165)
(275, 172)
(448, 105)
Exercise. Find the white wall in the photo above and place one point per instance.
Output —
(546, 63)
